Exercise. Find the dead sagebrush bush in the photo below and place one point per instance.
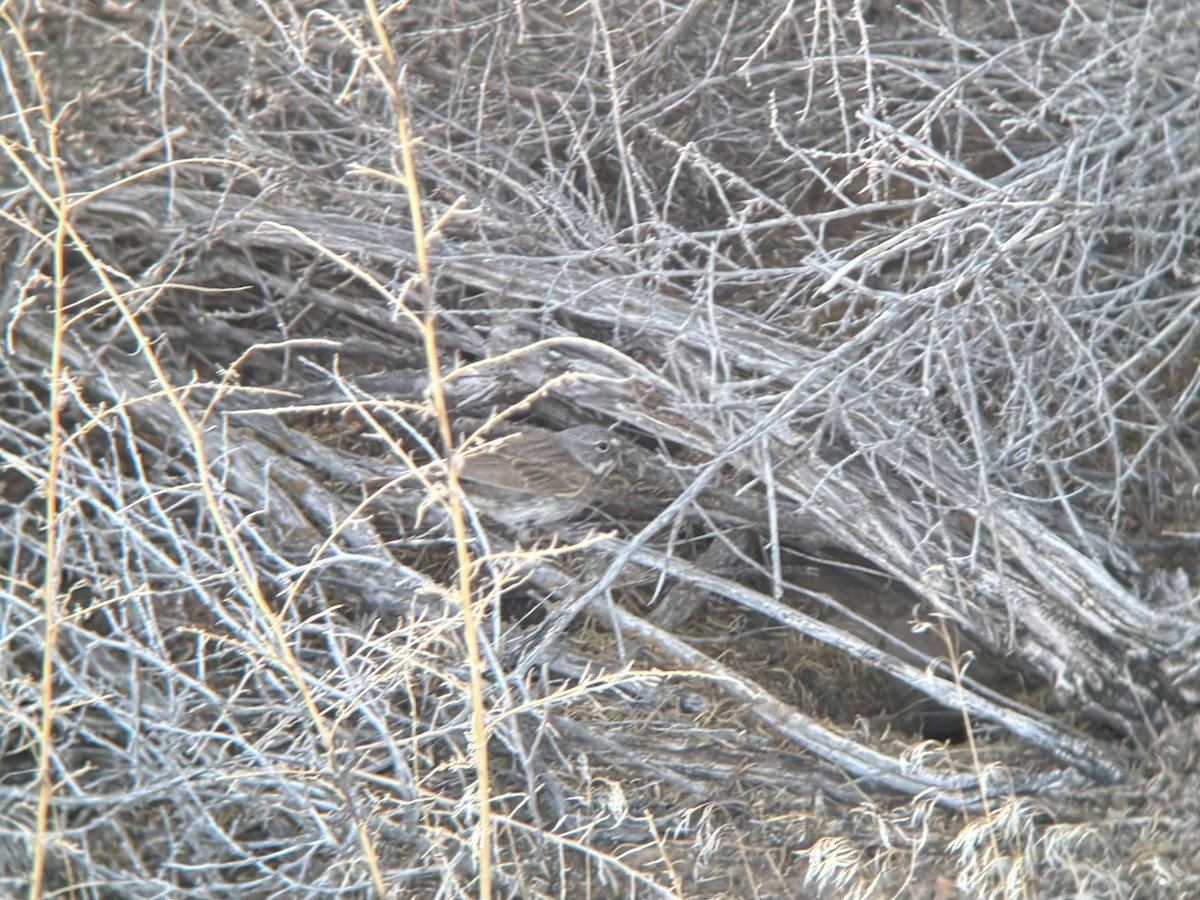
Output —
(893, 306)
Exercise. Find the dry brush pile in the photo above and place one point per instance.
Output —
(894, 306)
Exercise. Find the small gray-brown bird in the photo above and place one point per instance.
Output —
(539, 477)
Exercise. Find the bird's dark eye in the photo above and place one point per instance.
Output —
(603, 446)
